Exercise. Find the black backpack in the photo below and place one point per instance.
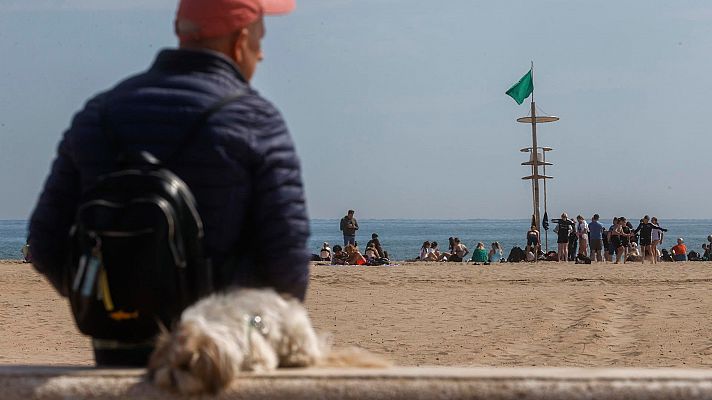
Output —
(694, 256)
(582, 259)
(516, 254)
(665, 255)
(136, 256)
(551, 256)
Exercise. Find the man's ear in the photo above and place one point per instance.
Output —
(241, 44)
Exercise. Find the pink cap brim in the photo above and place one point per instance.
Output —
(274, 7)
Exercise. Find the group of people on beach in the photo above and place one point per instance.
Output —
(621, 242)
(577, 240)
(457, 251)
(350, 254)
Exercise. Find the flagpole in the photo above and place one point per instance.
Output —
(519, 92)
(535, 151)
(532, 70)
(546, 232)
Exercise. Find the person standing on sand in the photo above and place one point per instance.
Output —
(349, 226)
(582, 234)
(595, 232)
(533, 239)
(645, 230)
(606, 244)
(563, 228)
(241, 166)
(627, 229)
(656, 238)
(620, 239)
(611, 244)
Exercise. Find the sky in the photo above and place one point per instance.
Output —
(397, 107)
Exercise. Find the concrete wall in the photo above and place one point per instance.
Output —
(24, 382)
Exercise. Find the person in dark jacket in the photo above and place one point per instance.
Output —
(242, 168)
(349, 226)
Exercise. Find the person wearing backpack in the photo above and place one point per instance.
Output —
(183, 170)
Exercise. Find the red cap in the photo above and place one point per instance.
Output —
(199, 19)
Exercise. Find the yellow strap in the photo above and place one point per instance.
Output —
(104, 287)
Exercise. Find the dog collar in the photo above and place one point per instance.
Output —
(253, 322)
(256, 322)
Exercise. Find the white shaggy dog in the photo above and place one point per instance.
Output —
(242, 330)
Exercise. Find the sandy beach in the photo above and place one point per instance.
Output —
(546, 314)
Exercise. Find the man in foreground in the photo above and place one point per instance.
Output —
(241, 168)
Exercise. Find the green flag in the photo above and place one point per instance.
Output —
(522, 89)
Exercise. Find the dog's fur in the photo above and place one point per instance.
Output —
(215, 340)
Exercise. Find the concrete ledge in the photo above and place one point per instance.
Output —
(30, 382)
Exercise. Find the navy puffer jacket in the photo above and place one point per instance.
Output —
(242, 169)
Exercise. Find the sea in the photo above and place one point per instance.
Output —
(402, 238)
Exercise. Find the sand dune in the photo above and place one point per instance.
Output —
(546, 314)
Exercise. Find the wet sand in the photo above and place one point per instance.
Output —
(545, 314)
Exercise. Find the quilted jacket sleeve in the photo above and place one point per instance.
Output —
(279, 209)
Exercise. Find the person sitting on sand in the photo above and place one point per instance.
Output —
(354, 256)
(339, 257)
(679, 251)
(371, 252)
(446, 255)
(439, 255)
(496, 254)
(529, 256)
(634, 253)
(325, 252)
(480, 255)
(459, 251)
(26, 255)
(377, 245)
(427, 253)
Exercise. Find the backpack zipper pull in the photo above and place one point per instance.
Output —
(92, 268)
(103, 292)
